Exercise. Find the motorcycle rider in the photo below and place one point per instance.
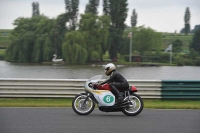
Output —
(116, 81)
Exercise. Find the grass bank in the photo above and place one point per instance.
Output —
(38, 102)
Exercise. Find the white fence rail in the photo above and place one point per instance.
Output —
(65, 88)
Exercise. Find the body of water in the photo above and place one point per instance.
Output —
(59, 71)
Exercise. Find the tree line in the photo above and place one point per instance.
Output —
(37, 38)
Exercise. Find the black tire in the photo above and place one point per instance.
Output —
(79, 108)
(137, 105)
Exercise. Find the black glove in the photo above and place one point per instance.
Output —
(95, 86)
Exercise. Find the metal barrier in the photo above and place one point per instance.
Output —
(150, 89)
(65, 88)
(180, 89)
(68, 88)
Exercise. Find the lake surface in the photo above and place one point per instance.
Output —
(60, 71)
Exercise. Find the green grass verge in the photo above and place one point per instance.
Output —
(172, 104)
(34, 102)
(38, 102)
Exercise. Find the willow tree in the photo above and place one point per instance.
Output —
(74, 48)
(44, 43)
(31, 40)
(38, 48)
(22, 39)
(95, 30)
(59, 32)
(48, 49)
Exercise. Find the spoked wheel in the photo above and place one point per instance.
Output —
(136, 107)
(82, 107)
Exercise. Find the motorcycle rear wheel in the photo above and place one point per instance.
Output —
(80, 108)
(137, 105)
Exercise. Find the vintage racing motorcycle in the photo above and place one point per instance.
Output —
(84, 103)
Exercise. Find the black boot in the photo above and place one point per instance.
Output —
(115, 91)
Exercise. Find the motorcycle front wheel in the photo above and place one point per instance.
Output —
(136, 107)
(82, 107)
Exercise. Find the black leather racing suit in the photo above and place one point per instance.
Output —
(116, 81)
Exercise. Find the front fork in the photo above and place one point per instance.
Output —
(88, 95)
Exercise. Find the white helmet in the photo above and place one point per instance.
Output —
(109, 68)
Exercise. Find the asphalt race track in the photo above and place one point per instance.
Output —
(64, 120)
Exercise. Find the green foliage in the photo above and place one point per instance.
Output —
(74, 48)
(134, 18)
(145, 39)
(187, 29)
(106, 7)
(59, 32)
(124, 47)
(187, 21)
(182, 59)
(30, 40)
(4, 38)
(2, 54)
(168, 38)
(117, 9)
(92, 6)
(36, 10)
(195, 56)
(177, 46)
(179, 61)
(196, 27)
(164, 57)
(95, 31)
(72, 13)
(48, 49)
(36, 39)
(196, 41)
(197, 61)
(188, 62)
